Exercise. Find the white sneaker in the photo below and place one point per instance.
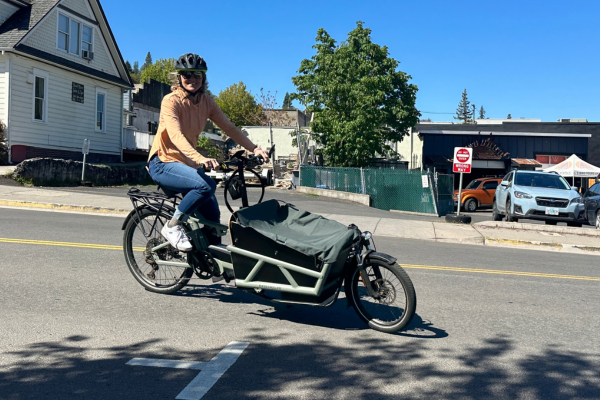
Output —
(177, 237)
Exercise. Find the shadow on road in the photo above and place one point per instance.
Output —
(374, 367)
(339, 315)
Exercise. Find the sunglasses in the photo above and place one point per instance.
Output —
(191, 75)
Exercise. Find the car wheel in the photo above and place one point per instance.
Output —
(598, 219)
(471, 205)
(509, 216)
(550, 222)
(496, 216)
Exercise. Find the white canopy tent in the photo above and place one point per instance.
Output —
(575, 167)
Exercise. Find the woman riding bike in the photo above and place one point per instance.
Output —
(174, 163)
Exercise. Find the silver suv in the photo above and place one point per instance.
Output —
(538, 195)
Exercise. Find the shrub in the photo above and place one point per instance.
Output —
(3, 145)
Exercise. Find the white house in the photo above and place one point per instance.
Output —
(62, 77)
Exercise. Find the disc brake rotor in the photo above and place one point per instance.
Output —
(166, 253)
(386, 292)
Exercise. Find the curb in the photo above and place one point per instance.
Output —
(567, 230)
(62, 207)
(547, 246)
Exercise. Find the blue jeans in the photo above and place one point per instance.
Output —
(197, 188)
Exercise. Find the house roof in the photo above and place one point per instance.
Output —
(14, 29)
(22, 21)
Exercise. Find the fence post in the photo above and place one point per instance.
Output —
(362, 181)
(433, 197)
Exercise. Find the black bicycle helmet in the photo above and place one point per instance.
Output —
(190, 62)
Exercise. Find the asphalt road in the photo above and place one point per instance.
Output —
(491, 323)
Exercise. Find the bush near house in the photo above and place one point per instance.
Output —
(3, 146)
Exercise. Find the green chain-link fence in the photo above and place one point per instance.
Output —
(390, 189)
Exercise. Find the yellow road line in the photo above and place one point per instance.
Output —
(501, 272)
(67, 244)
(411, 266)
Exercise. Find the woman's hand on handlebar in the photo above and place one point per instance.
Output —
(260, 152)
(210, 163)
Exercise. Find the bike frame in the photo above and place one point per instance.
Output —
(166, 203)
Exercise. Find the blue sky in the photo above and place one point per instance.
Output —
(532, 59)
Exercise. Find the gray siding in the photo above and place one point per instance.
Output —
(6, 10)
(44, 38)
(80, 6)
(68, 122)
(4, 72)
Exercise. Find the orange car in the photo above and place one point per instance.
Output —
(478, 193)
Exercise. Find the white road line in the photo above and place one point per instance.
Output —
(210, 372)
(157, 362)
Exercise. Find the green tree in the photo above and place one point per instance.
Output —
(481, 113)
(147, 62)
(509, 116)
(464, 112)
(204, 143)
(136, 67)
(128, 67)
(159, 71)
(240, 106)
(287, 102)
(361, 102)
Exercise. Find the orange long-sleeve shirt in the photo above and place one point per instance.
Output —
(180, 125)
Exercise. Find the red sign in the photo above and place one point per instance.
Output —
(463, 156)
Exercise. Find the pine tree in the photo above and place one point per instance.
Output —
(136, 67)
(509, 116)
(286, 101)
(128, 67)
(481, 113)
(463, 112)
(147, 62)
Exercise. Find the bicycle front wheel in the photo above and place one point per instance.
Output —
(141, 260)
(393, 303)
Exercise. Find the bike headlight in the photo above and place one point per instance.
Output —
(577, 200)
(521, 195)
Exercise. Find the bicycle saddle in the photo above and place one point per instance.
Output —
(167, 192)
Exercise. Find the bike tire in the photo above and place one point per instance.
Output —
(394, 310)
(136, 246)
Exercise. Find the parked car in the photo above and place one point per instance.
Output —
(591, 205)
(478, 194)
(538, 195)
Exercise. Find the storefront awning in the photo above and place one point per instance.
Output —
(525, 162)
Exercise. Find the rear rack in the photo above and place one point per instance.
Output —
(155, 201)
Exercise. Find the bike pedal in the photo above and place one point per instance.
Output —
(216, 279)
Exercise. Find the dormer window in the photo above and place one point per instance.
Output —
(74, 37)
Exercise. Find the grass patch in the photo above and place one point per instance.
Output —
(312, 195)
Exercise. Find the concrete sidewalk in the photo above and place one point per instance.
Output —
(502, 234)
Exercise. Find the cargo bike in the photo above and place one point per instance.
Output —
(277, 251)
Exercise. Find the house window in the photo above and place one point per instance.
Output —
(86, 39)
(100, 110)
(63, 32)
(40, 96)
(74, 40)
(73, 36)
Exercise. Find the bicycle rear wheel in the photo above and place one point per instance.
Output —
(394, 302)
(140, 258)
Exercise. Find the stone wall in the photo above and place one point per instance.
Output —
(58, 172)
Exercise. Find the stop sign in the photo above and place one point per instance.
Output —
(462, 159)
